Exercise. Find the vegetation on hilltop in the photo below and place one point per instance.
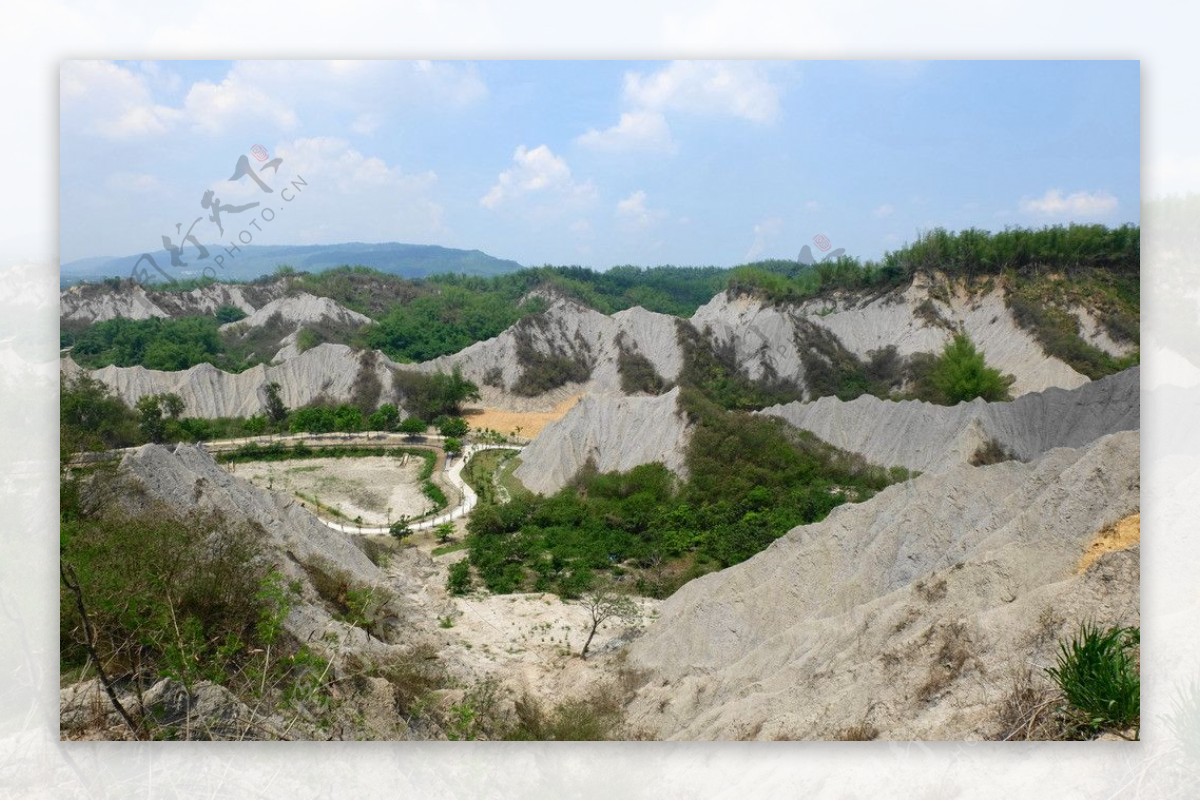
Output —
(1045, 272)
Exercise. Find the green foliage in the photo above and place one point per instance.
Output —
(541, 371)
(459, 581)
(1097, 673)
(443, 322)
(750, 479)
(413, 426)
(307, 339)
(712, 369)
(92, 418)
(369, 607)
(277, 413)
(189, 606)
(154, 411)
(429, 396)
(831, 369)
(1041, 305)
(637, 372)
(385, 418)
(228, 314)
(452, 426)
(362, 289)
(960, 374)
(324, 419)
(158, 344)
(969, 254)
(453, 445)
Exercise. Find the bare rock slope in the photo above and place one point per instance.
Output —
(769, 339)
(613, 432)
(926, 437)
(567, 330)
(92, 303)
(910, 614)
(327, 371)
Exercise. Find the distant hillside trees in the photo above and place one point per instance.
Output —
(968, 254)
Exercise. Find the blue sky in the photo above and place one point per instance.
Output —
(595, 163)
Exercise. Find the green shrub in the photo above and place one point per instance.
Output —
(459, 581)
(960, 374)
(1097, 673)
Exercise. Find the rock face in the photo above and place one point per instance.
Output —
(615, 433)
(187, 478)
(923, 436)
(570, 330)
(584, 349)
(302, 309)
(910, 613)
(768, 339)
(327, 371)
(91, 303)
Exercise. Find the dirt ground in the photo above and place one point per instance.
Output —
(1123, 534)
(531, 641)
(365, 486)
(525, 425)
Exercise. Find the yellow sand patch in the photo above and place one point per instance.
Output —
(507, 422)
(1120, 536)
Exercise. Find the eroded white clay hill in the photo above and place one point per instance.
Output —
(927, 437)
(89, 303)
(613, 433)
(765, 340)
(910, 614)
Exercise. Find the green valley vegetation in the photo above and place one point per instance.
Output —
(750, 480)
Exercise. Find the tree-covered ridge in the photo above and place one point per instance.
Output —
(1045, 273)
(1071, 250)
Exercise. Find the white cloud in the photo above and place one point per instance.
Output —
(366, 123)
(632, 212)
(118, 102)
(346, 195)
(213, 107)
(886, 210)
(133, 182)
(726, 88)
(536, 171)
(1077, 204)
(104, 99)
(636, 130)
(812, 205)
(764, 232)
(345, 168)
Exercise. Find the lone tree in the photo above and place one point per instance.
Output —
(154, 411)
(603, 604)
(276, 412)
(400, 528)
(960, 374)
(413, 427)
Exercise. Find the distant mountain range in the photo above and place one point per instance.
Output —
(252, 261)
